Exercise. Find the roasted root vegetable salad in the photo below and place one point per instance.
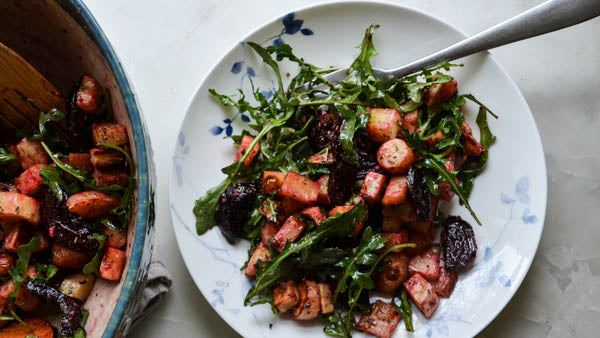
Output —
(65, 203)
(337, 189)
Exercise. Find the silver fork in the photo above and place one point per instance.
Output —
(545, 18)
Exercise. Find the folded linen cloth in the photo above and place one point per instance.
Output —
(157, 286)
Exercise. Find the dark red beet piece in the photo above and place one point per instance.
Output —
(458, 243)
(421, 198)
(324, 131)
(70, 308)
(234, 209)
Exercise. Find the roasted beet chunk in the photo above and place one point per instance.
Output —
(342, 178)
(71, 310)
(234, 209)
(324, 131)
(367, 155)
(421, 198)
(458, 243)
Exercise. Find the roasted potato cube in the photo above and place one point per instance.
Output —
(16, 207)
(323, 197)
(373, 187)
(68, 259)
(439, 92)
(115, 238)
(272, 181)
(272, 211)
(383, 124)
(289, 232)
(268, 231)
(78, 286)
(427, 264)
(24, 299)
(435, 138)
(326, 299)
(81, 161)
(29, 181)
(472, 146)
(110, 176)
(246, 142)
(410, 121)
(300, 188)
(45, 242)
(395, 156)
(112, 264)
(7, 261)
(88, 97)
(291, 206)
(285, 296)
(104, 158)
(261, 253)
(395, 238)
(340, 209)
(445, 284)
(309, 305)
(40, 327)
(396, 191)
(111, 133)
(394, 273)
(381, 321)
(19, 234)
(91, 204)
(31, 153)
(314, 214)
(422, 294)
(422, 242)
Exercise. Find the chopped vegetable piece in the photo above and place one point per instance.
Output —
(272, 181)
(314, 214)
(323, 197)
(300, 188)
(395, 156)
(31, 153)
(394, 217)
(18, 235)
(29, 181)
(396, 191)
(81, 161)
(91, 204)
(285, 296)
(427, 264)
(24, 299)
(383, 124)
(423, 227)
(289, 232)
(309, 305)
(7, 261)
(112, 264)
(326, 300)
(439, 92)
(246, 141)
(373, 187)
(16, 207)
(78, 286)
(394, 239)
(268, 231)
(104, 158)
(261, 253)
(472, 146)
(394, 273)
(111, 133)
(445, 284)
(115, 238)
(110, 176)
(68, 259)
(89, 95)
(410, 121)
(41, 329)
(422, 293)
(381, 321)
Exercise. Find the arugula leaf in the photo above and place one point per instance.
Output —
(80, 333)
(75, 172)
(205, 207)
(338, 226)
(405, 310)
(45, 271)
(92, 266)
(19, 271)
(6, 156)
(125, 208)
(51, 176)
(266, 57)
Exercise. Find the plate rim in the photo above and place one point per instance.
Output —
(542, 189)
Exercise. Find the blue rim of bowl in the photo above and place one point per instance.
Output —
(120, 319)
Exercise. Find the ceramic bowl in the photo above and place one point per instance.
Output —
(63, 41)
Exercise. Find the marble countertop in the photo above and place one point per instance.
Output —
(167, 47)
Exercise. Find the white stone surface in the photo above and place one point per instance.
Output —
(168, 46)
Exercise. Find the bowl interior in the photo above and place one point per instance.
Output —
(62, 50)
(509, 197)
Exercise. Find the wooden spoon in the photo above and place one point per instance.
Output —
(24, 92)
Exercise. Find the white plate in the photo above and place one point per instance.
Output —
(509, 197)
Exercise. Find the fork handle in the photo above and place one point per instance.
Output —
(545, 18)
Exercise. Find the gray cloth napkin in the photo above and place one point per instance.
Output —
(157, 286)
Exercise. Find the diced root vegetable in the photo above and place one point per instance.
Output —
(18, 235)
(309, 305)
(323, 197)
(427, 264)
(446, 192)
(381, 321)
(104, 158)
(383, 124)
(394, 239)
(291, 206)
(395, 156)
(340, 209)
(272, 211)
(111, 133)
(81, 161)
(30, 180)
(422, 242)
(272, 181)
(112, 264)
(68, 259)
(396, 191)
(410, 121)
(116, 238)
(394, 273)
(91, 204)
(7, 261)
(31, 153)
(435, 138)
(300, 188)
(472, 146)
(439, 92)
(422, 294)
(24, 299)
(373, 187)
(45, 242)
(268, 231)
(260, 253)
(110, 176)
(244, 145)
(326, 299)
(285, 296)
(88, 97)
(394, 217)
(323, 158)
(15, 207)
(78, 286)
(314, 214)
(41, 329)
(445, 284)
(289, 232)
